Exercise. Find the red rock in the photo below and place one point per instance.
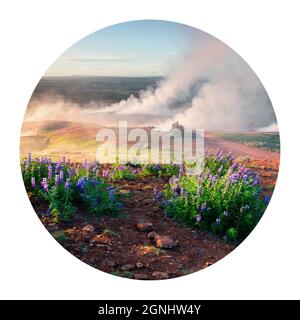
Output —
(151, 235)
(111, 263)
(139, 265)
(127, 267)
(158, 275)
(141, 276)
(88, 228)
(164, 242)
(146, 226)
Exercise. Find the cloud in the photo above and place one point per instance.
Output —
(213, 88)
(107, 58)
(273, 127)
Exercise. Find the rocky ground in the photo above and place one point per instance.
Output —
(142, 243)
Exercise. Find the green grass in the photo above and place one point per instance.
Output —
(267, 141)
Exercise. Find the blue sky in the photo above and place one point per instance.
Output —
(138, 48)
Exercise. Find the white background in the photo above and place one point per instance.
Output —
(34, 34)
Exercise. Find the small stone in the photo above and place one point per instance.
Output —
(160, 275)
(88, 228)
(141, 276)
(111, 263)
(151, 235)
(127, 267)
(139, 265)
(146, 226)
(164, 242)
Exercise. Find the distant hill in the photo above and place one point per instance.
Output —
(84, 89)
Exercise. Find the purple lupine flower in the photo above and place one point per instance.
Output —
(181, 171)
(174, 184)
(47, 213)
(247, 171)
(233, 178)
(218, 221)
(111, 192)
(29, 157)
(199, 190)
(158, 195)
(44, 184)
(234, 166)
(219, 155)
(89, 165)
(56, 180)
(213, 180)
(230, 156)
(84, 165)
(241, 169)
(72, 171)
(81, 183)
(255, 181)
(97, 173)
(245, 177)
(176, 194)
(183, 192)
(207, 172)
(105, 174)
(200, 178)
(50, 172)
(61, 176)
(33, 182)
(45, 160)
(57, 167)
(158, 166)
(67, 184)
(203, 207)
(267, 199)
(220, 170)
(198, 217)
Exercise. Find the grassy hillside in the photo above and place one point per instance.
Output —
(268, 141)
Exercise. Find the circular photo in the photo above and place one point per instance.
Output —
(149, 150)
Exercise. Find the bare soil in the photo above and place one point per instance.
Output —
(116, 245)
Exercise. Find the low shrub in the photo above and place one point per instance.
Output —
(225, 198)
(65, 186)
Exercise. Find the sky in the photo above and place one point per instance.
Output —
(138, 48)
(205, 83)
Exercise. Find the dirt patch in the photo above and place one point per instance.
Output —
(124, 245)
(111, 244)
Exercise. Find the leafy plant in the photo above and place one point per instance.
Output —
(60, 203)
(65, 186)
(121, 172)
(225, 198)
(160, 170)
(97, 196)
